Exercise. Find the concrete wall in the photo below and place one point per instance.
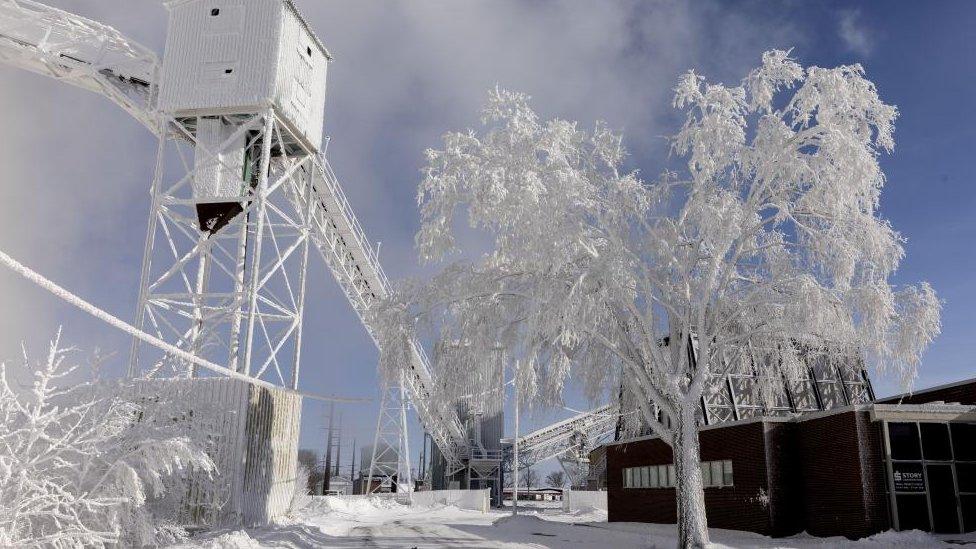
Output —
(271, 458)
(474, 500)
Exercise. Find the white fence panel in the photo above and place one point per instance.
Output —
(576, 500)
(473, 500)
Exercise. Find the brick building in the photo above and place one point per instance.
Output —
(902, 462)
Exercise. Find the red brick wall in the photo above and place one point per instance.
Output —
(823, 475)
(638, 504)
(739, 507)
(964, 393)
(840, 461)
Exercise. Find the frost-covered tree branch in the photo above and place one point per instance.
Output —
(769, 245)
(82, 466)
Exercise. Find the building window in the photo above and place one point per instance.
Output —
(935, 442)
(904, 441)
(932, 475)
(651, 476)
(964, 440)
(714, 474)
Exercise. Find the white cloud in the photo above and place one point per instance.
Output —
(853, 33)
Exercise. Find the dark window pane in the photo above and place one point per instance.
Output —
(966, 476)
(904, 441)
(935, 441)
(969, 513)
(964, 441)
(913, 512)
(942, 496)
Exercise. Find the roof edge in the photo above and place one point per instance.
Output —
(951, 384)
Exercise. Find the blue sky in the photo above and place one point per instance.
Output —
(77, 170)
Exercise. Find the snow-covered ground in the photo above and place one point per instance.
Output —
(386, 524)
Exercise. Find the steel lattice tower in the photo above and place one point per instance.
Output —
(390, 459)
(233, 194)
(224, 274)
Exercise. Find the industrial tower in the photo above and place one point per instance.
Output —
(240, 190)
(242, 99)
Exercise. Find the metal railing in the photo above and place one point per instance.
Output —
(441, 422)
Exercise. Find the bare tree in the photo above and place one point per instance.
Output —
(529, 478)
(556, 479)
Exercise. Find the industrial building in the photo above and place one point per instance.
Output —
(480, 409)
(848, 469)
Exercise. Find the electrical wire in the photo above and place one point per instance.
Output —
(44, 283)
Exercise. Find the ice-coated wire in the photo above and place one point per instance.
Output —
(119, 324)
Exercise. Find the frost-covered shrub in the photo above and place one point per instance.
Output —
(82, 466)
(300, 498)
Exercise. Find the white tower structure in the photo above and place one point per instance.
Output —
(389, 464)
(240, 188)
(241, 98)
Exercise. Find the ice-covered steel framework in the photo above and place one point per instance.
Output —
(240, 128)
(262, 193)
(234, 190)
(569, 440)
(389, 463)
(80, 52)
(739, 392)
(224, 275)
(241, 191)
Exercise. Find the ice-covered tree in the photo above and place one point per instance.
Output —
(766, 243)
(81, 466)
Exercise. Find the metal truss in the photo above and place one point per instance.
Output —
(743, 393)
(571, 439)
(597, 474)
(80, 52)
(224, 275)
(390, 459)
(191, 291)
(342, 244)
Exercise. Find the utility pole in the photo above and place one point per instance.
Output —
(338, 443)
(422, 466)
(352, 467)
(516, 456)
(327, 472)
